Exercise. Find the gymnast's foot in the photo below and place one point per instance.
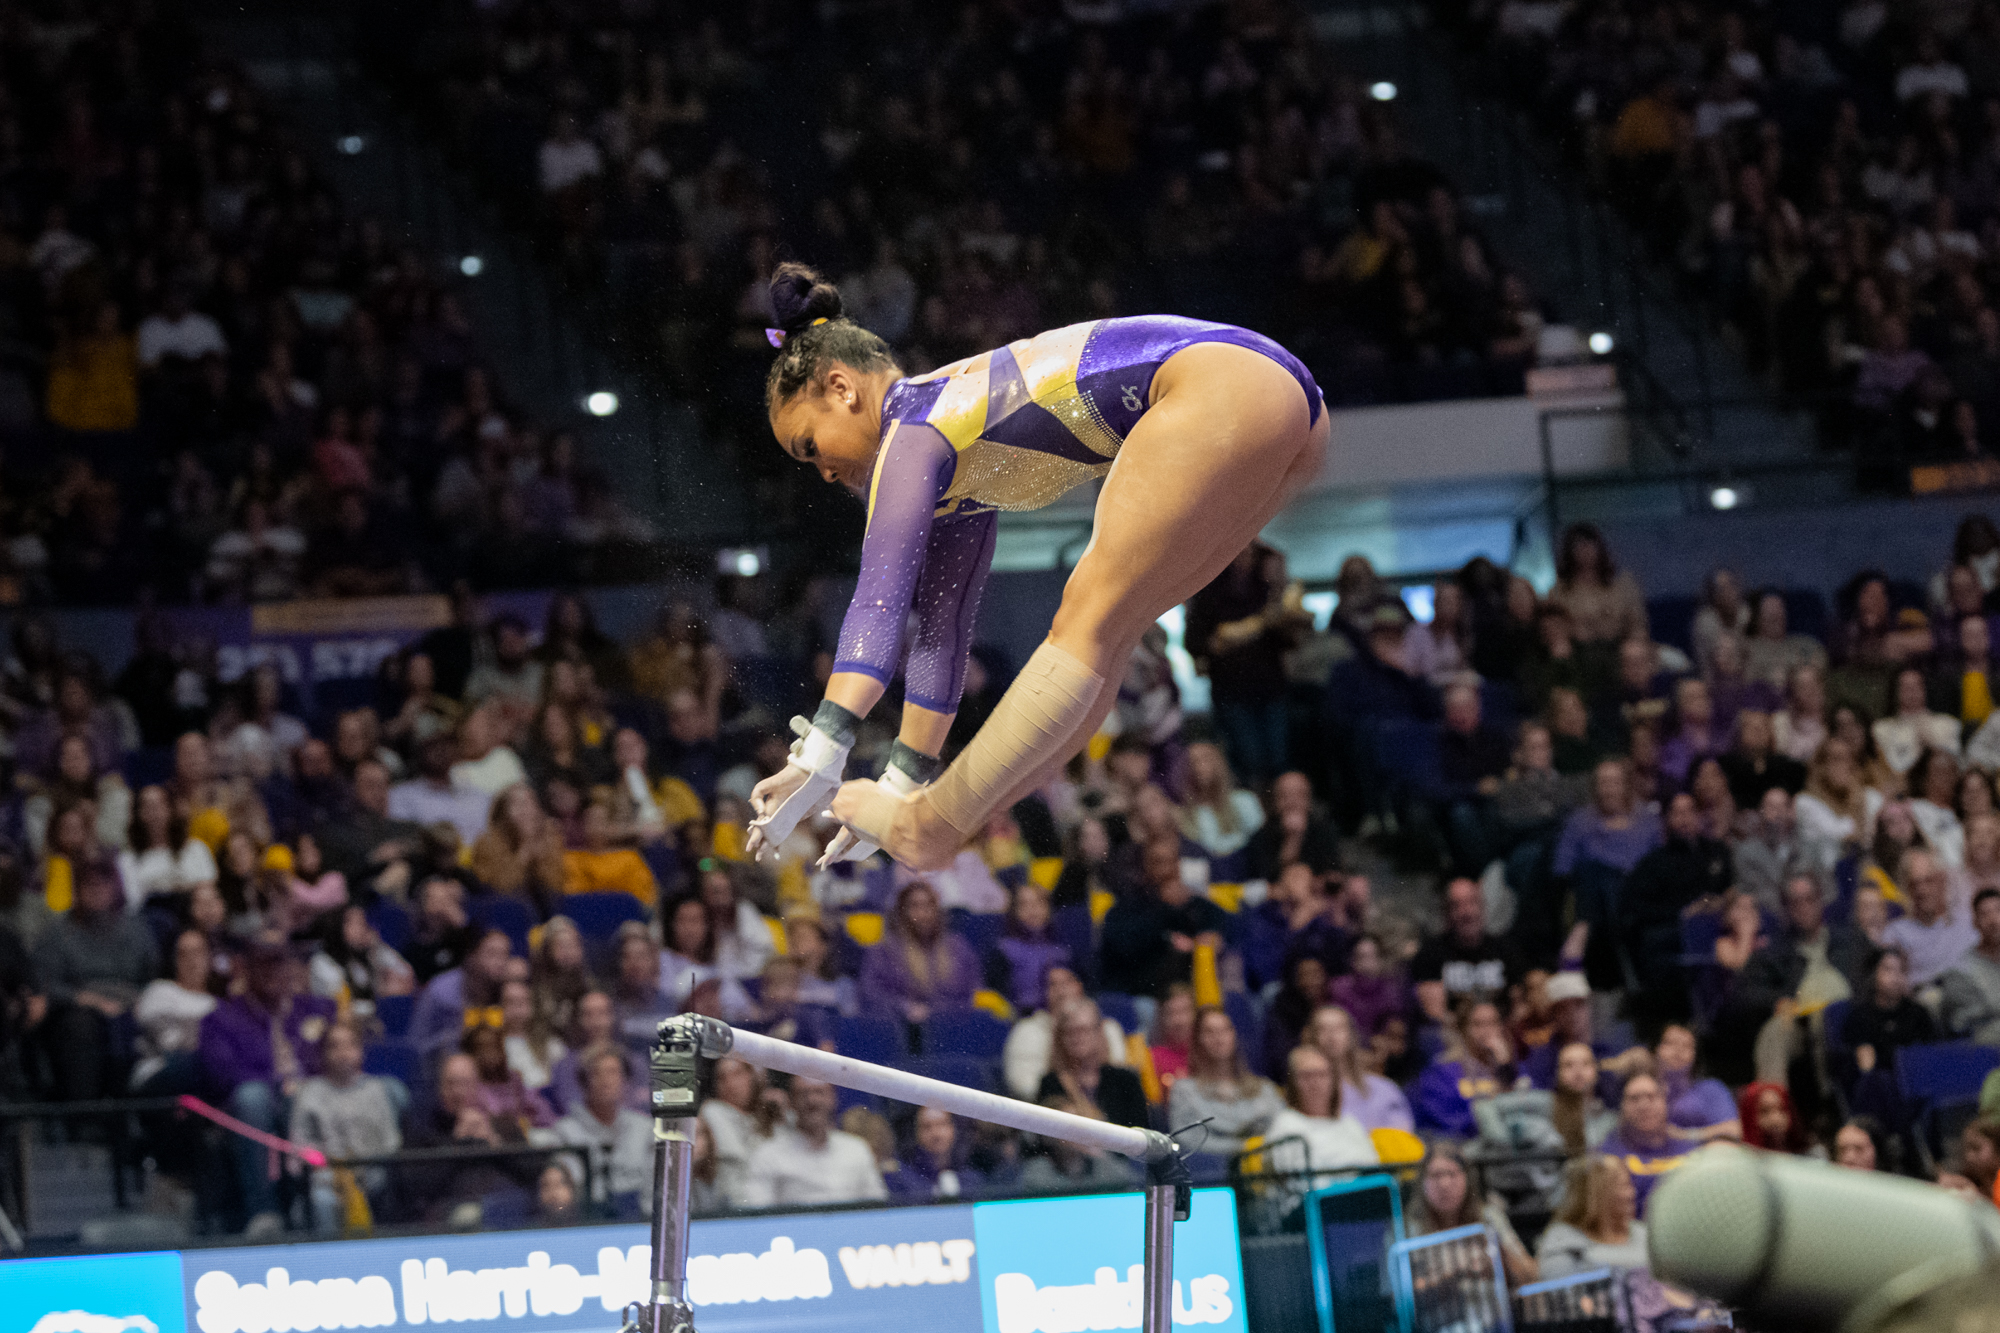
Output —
(909, 828)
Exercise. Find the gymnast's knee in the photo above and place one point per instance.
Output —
(1094, 630)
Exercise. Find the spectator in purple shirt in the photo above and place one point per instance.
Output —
(256, 1049)
(439, 1018)
(1026, 950)
(1599, 846)
(1372, 992)
(1295, 918)
(1645, 1141)
(1888, 369)
(1697, 733)
(920, 965)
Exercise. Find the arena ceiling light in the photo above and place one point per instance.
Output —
(1725, 496)
(601, 404)
(352, 144)
(472, 266)
(1382, 91)
(1601, 343)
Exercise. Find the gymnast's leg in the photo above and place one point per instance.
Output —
(1303, 469)
(1227, 439)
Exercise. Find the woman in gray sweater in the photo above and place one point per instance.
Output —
(1219, 1087)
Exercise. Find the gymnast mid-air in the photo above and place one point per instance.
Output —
(1202, 432)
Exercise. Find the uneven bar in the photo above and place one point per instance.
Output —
(843, 1071)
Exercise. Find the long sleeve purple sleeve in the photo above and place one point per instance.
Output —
(909, 561)
(947, 606)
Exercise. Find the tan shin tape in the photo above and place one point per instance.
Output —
(1034, 720)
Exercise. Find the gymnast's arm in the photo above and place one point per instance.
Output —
(947, 607)
(915, 470)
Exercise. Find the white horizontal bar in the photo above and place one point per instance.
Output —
(847, 1072)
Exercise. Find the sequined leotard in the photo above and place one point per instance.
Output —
(1013, 428)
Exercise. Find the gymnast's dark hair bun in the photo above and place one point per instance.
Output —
(814, 335)
(799, 296)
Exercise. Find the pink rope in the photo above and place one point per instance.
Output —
(310, 1156)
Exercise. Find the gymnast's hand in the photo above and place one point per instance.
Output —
(847, 845)
(799, 789)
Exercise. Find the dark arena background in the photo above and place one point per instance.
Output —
(1549, 879)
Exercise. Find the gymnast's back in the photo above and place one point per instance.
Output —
(1029, 421)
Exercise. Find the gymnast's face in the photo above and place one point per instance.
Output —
(837, 430)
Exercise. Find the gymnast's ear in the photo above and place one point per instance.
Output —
(843, 387)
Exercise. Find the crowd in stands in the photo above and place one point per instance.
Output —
(218, 386)
(972, 174)
(1719, 890)
(1825, 175)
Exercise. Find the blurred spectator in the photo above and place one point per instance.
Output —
(257, 1050)
(1471, 759)
(1027, 949)
(738, 1119)
(1913, 728)
(1172, 1038)
(1598, 1224)
(1296, 919)
(1971, 987)
(1769, 1121)
(1645, 1143)
(1802, 725)
(503, 1095)
(1771, 653)
(599, 867)
(1372, 990)
(1364, 1093)
(1149, 938)
(935, 1167)
(168, 1014)
(1857, 1145)
(1599, 846)
(434, 797)
(1219, 1087)
(1937, 931)
(1081, 1065)
(92, 964)
(1755, 765)
(1477, 1062)
(1687, 868)
(813, 1162)
(619, 1138)
(596, 1022)
(345, 1113)
(921, 965)
(1767, 852)
(1219, 816)
(1239, 628)
(442, 935)
(1723, 611)
(1294, 832)
(487, 764)
(1067, 1168)
(1444, 1200)
(520, 852)
(472, 986)
(1604, 603)
(1465, 961)
(1333, 1139)
(354, 965)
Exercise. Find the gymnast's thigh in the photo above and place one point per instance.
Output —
(1226, 442)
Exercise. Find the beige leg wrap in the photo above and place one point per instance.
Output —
(1034, 721)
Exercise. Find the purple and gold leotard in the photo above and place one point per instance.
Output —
(1014, 428)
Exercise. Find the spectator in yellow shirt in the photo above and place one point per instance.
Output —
(599, 867)
(94, 377)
